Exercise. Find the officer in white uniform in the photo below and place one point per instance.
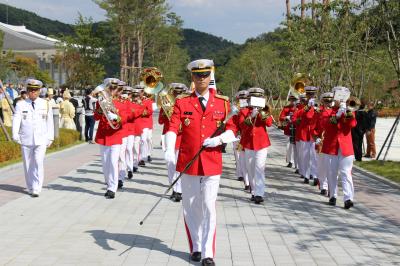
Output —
(33, 128)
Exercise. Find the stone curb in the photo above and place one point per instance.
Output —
(20, 164)
(377, 177)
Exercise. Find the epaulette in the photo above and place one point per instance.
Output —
(225, 98)
(181, 96)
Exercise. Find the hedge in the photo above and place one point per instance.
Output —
(10, 150)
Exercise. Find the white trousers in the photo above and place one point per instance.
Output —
(341, 166)
(146, 143)
(33, 157)
(239, 172)
(290, 151)
(242, 160)
(136, 151)
(109, 159)
(322, 170)
(122, 163)
(173, 174)
(304, 153)
(129, 152)
(199, 195)
(298, 155)
(255, 165)
(313, 161)
(163, 143)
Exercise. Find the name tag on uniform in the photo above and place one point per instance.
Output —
(187, 113)
(24, 114)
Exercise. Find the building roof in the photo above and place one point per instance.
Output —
(19, 38)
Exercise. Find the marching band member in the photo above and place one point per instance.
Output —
(338, 148)
(304, 130)
(200, 114)
(145, 138)
(126, 151)
(285, 117)
(110, 139)
(296, 121)
(178, 89)
(321, 118)
(255, 142)
(241, 172)
(33, 129)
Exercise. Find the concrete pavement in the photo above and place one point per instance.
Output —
(71, 223)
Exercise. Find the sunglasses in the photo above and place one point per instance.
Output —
(202, 74)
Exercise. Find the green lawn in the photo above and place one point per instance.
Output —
(388, 169)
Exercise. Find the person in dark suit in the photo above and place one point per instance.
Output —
(357, 132)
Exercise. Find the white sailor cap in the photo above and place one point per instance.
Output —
(136, 90)
(127, 89)
(326, 95)
(292, 97)
(33, 84)
(256, 91)
(178, 86)
(200, 65)
(242, 94)
(310, 89)
(302, 96)
(139, 87)
(111, 82)
(121, 83)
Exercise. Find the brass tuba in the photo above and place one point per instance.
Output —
(151, 80)
(166, 97)
(298, 83)
(106, 103)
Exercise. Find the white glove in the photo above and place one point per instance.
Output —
(254, 112)
(170, 140)
(318, 141)
(311, 102)
(288, 118)
(213, 142)
(111, 116)
(342, 106)
(340, 112)
(49, 143)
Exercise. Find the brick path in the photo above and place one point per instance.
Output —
(72, 224)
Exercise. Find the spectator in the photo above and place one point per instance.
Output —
(89, 103)
(357, 132)
(22, 97)
(6, 110)
(11, 91)
(372, 114)
(67, 112)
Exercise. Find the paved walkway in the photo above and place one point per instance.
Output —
(71, 223)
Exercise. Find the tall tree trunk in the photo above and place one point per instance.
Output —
(313, 16)
(303, 9)
(288, 13)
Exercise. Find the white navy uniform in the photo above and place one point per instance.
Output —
(33, 128)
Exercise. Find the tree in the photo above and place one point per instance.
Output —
(81, 55)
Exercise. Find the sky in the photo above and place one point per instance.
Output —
(234, 20)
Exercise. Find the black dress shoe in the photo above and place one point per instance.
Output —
(134, 169)
(297, 171)
(109, 194)
(149, 159)
(240, 178)
(196, 256)
(332, 201)
(207, 262)
(306, 181)
(178, 197)
(246, 188)
(348, 204)
(120, 184)
(142, 163)
(258, 199)
(323, 192)
(289, 165)
(34, 195)
(252, 198)
(316, 182)
(302, 177)
(130, 175)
